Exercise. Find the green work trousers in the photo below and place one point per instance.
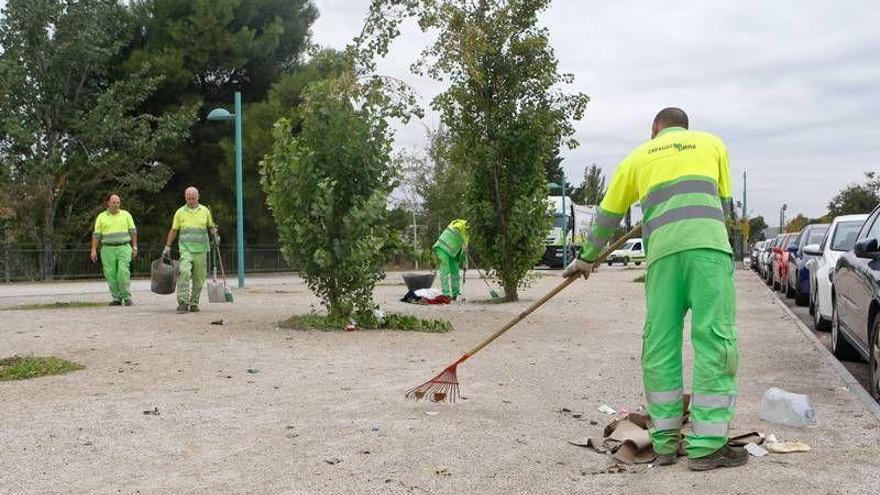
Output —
(193, 270)
(116, 263)
(450, 283)
(699, 280)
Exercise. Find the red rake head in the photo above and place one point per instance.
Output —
(441, 388)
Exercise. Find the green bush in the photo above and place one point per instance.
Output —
(368, 321)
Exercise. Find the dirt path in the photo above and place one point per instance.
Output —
(324, 412)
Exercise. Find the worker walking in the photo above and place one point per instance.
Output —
(117, 235)
(194, 222)
(451, 250)
(682, 180)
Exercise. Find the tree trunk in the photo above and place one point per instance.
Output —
(47, 254)
(510, 290)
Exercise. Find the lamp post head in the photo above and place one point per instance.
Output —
(220, 114)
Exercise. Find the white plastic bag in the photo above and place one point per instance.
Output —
(786, 408)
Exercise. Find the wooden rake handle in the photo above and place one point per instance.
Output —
(635, 231)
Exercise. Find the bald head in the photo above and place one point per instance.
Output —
(192, 197)
(113, 203)
(669, 117)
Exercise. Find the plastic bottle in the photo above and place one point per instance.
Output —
(786, 408)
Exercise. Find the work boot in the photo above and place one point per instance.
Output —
(667, 459)
(181, 309)
(193, 309)
(115, 303)
(726, 456)
(127, 302)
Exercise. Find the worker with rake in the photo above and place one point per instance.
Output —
(451, 250)
(682, 180)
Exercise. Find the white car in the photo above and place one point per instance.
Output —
(840, 237)
(633, 251)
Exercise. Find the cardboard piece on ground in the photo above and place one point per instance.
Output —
(788, 447)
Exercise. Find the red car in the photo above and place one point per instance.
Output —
(780, 259)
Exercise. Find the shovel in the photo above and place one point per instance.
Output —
(227, 292)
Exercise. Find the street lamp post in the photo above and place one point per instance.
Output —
(221, 114)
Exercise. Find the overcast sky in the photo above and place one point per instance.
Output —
(793, 87)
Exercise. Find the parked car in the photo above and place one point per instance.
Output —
(780, 260)
(755, 254)
(633, 251)
(855, 298)
(797, 283)
(767, 259)
(839, 238)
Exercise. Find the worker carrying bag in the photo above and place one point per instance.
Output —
(163, 276)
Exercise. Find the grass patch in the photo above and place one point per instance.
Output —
(54, 305)
(640, 278)
(391, 321)
(24, 367)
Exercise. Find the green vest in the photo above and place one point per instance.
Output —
(450, 241)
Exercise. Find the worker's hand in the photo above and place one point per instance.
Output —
(577, 267)
(134, 252)
(94, 256)
(217, 239)
(166, 253)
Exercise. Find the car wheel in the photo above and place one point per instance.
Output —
(610, 263)
(812, 300)
(625, 261)
(840, 347)
(790, 292)
(874, 359)
(801, 298)
(819, 323)
(638, 263)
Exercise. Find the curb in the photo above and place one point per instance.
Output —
(848, 379)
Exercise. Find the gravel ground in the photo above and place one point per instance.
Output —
(323, 412)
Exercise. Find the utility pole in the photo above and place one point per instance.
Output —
(782, 218)
(745, 200)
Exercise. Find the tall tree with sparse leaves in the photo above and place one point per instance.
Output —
(72, 129)
(592, 189)
(505, 113)
(856, 198)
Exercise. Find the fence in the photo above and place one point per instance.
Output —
(24, 264)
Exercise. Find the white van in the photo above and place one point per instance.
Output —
(632, 251)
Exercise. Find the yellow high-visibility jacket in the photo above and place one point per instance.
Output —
(681, 178)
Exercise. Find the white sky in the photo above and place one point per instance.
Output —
(793, 87)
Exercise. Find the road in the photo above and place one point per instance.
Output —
(859, 369)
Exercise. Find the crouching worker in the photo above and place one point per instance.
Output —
(451, 250)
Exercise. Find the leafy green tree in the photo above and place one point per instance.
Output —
(553, 173)
(206, 50)
(71, 129)
(797, 223)
(757, 226)
(856, 198)
(505, 113)
(327, 187)
(444, 187)
(592, 189)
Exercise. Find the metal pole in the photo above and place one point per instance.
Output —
(564, 225)
(239, 200)
(415, 241)
(745, 199)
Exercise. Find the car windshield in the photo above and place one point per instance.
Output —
(628, 245)
(845, 235)
(791, 241)
(815, 236)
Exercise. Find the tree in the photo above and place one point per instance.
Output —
(797, 223)
(757, 226)
(505, 113)
(444, 189)
(554, 173)
(328, 187)
(592, 189)
(206, 50)
(70, 128)
(856, 198)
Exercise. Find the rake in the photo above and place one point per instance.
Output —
(444, 387)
